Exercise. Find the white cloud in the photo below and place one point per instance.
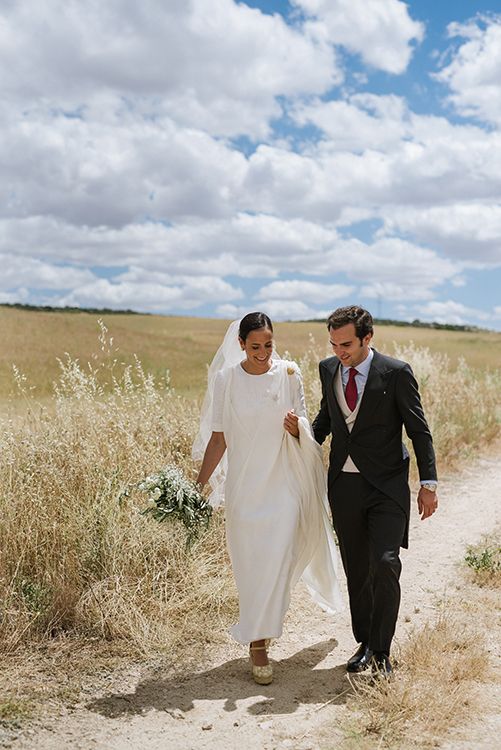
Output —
(380, 31)
(114, 171)
(150, 296)
(36, 274)
(117, 173)
(450, 311)
(115, 121)
(118, 170)
(456, 229)
(363, 121)
(218, 65)
(433, 163)
(230, 311)
(474, 72)
(306, 291)
(247, 246)
(278, 310)
(392, 261)
(391, 291)
(21, 294)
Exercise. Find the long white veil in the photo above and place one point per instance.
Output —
(229, 354)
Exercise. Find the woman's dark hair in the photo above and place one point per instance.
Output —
(252, 322)
(361, 319)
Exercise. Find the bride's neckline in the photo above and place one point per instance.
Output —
(256, 374)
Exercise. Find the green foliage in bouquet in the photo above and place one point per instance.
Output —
(175, 497)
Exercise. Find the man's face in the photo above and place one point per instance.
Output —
(347, 346)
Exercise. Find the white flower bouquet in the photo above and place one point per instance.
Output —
(176, 497)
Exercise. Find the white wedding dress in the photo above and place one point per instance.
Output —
(277, 521)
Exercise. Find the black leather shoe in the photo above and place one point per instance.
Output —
(360, 660)
(381, 665)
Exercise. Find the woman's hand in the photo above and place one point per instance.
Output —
(291, 423)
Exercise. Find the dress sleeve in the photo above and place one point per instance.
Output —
(298, 393)
(218, 403)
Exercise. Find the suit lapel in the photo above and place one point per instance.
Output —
(335, 410)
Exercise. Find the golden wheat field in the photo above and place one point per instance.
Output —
(35, 340)
(80, 567)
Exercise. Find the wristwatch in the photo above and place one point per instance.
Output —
(431, 486)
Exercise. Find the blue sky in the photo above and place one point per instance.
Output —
(209, 158)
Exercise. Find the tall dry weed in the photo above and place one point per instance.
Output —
(462, 404)
(435, 689)
(75, 554)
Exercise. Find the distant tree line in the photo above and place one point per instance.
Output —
(416, 324)
(108, 311)
(50, 308)
(422, 324)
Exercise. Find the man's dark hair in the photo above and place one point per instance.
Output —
(253, 322)
(361, 319)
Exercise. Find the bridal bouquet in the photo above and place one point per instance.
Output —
(174, 496)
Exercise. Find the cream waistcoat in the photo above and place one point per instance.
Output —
(349, 416)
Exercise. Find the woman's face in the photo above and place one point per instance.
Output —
(258, 347)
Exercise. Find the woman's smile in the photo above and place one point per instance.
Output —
(258, 348)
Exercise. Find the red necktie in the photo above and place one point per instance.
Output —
(351, 392)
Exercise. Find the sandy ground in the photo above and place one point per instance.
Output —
(221, 707)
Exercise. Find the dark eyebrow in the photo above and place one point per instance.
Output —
(343, 343)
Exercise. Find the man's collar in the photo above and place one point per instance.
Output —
(364, 367)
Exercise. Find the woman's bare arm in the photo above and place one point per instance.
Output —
(212, 456)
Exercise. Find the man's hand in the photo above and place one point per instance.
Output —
(291, 423)
(427, 503)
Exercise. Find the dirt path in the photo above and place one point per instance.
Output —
(221, 708)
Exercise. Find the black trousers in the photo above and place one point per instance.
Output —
(370, 528)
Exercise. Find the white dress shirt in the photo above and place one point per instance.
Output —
(363, 373)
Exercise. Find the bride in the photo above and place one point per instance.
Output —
(273, 481)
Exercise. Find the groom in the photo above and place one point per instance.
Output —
(366, 400)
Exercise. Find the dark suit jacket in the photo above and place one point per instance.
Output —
(389, 402)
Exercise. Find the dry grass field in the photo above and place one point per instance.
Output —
(183, 346)
(78, 564)
(449, 669)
